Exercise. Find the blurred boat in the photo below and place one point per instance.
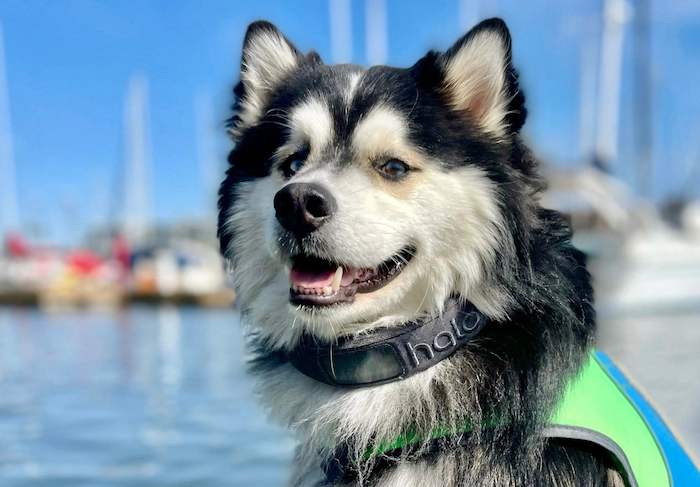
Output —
(182, 271)
(656, 268)
(639, 261)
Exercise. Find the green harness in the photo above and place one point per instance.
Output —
(594, 410)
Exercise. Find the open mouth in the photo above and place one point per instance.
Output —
(318, 282)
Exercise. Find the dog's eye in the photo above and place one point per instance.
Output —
(293, 163)
(394, 169)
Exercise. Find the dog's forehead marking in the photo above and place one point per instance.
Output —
(382, 130)
(353, 82)
(311, 121)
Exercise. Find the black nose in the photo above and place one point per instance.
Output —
(302, 208)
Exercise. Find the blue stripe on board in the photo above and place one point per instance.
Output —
(683, 471)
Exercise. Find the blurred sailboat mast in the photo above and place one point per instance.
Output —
(9, 209)
(587, 95)
(340, 12)
(616, 14)
(210, 166)
(643, 95)
(137, 218)
(376, 35)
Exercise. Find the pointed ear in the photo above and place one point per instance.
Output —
(268, 57)
(479, 79)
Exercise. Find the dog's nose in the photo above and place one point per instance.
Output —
(302, 208)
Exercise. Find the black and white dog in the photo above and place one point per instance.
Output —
(361, 203)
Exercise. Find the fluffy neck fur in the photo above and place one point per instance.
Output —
(515, 370)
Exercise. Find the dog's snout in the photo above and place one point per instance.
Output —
(302, 208)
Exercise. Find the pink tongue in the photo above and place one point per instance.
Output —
(311, 279)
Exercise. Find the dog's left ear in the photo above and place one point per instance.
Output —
(268, 57)
(478, 78)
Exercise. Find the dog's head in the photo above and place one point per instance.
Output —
(359, 194)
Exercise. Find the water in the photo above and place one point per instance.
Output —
(660, 353)
(145, 397)
(158, 396)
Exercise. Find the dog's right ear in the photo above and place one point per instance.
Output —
(268, 57)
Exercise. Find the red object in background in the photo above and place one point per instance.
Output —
(17, 245)
(84, 262)
(122, 254)
(120, 251)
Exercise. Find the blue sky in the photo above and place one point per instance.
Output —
(69, 62)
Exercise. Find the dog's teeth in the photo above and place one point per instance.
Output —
(335, 285)
(319, 291)
(327, 290)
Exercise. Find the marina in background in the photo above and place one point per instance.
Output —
(179, 265)
(126, 259)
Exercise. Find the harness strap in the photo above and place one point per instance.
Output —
(595, 408)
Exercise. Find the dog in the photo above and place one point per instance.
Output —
(363, 203)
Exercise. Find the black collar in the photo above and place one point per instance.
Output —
(389, 354)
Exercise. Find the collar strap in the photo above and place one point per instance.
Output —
(389, 354)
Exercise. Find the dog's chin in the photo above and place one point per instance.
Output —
(326, 287)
